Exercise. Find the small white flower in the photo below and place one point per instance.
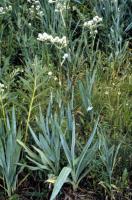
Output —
(64, 41)
(37, 7)
(90, 108)
(37, 2)
(51, 1)
(92, 24)
(10, 7)
(95, 31)
(56, 39)
(55, 78)
(66, 55)
(41, 13)
(106, 92)
(60, 83)
(50, 73)
(2, 85)
(2, 90)
(89, 23)
(1, 9)
(97, 19)
(56, 10)
(119, 93)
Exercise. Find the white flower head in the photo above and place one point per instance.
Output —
(37, 2)
(66, 55)
(51, 1)
(2, 85)
(92, 24)
(89, 108)
(10, 7)
(50, 73)
(95, 31)
(88, 24)
(41, 13)
(60, 83)
(2, 88)
(106, 92)
(38, 7)
(1, 9)
(55, 78)
(46, 37)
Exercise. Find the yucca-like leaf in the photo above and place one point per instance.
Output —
(45, 160)
(38, 164)
(85, 149)
(47, 144)
(86, 89)
(60, 181)
(64, 144)
(10, 154)
(73, 140)
(82, 170)
(29, 152)
(78, 164)
(108, 155)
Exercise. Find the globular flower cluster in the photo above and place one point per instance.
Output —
(44, 37)
(93, 24)
(35, 7)
(4, 10)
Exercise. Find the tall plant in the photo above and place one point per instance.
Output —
(33, 87)
(10, 152)
(79, 163)
(108, 155)
(47, 145)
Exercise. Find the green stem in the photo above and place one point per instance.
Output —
(62, 18)
(3, 110)
(30, 111)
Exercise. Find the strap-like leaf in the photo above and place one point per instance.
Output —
(64, 144)
(60, 181)
(82, 156)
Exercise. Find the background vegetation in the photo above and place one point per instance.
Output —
(65, 99)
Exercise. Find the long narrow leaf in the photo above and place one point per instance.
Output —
(64, 144)
(60, 181)
(82, 156)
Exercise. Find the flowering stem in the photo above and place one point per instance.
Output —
(30, 110)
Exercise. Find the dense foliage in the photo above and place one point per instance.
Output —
(65, 99)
